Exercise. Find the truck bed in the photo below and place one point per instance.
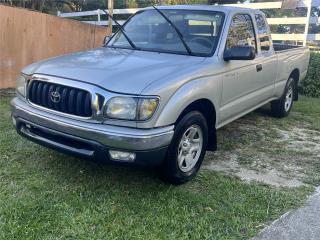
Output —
(290, 58)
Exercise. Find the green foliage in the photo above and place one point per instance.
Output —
(310, 86)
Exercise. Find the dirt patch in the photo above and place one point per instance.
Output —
(300, 138)
(268, 153)
(266, 176)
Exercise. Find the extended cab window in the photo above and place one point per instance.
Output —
(263, 33)
(241, 32)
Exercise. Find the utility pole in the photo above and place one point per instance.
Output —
(306, 31)
(110, 9)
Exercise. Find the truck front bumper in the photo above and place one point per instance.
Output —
(90, 140)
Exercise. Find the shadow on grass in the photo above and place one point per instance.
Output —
(75, 172)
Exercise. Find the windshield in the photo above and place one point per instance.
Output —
(150, 31)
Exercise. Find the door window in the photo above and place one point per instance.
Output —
(241, 32)
(263, 33)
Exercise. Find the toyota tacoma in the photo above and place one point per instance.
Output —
(159, 88)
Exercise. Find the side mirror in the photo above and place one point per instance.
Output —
(106, 39)
(240, 53)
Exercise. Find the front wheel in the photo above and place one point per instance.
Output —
(187, 149)
(281, 108)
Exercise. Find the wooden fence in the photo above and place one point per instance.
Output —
(263, 5)
(27, 37)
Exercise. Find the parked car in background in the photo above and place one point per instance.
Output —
(158, 90)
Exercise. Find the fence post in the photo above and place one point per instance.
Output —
(306, 31)
(110, 8)
(99, 18)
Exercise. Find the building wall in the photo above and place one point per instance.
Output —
(27, 37)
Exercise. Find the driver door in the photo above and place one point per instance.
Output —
(240, 80)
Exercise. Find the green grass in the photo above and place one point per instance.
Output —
(48, 195)
(308, 112)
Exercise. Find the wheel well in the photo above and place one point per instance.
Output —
(296, 76)
(208, 110)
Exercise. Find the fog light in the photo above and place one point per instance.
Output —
(14, 121)
(122, 156)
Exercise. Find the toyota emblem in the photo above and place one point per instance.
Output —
(55, 97)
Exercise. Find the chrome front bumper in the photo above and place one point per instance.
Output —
(98, 135)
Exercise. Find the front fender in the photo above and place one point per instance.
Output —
(209, 87)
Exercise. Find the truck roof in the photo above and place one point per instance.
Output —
(219, 8)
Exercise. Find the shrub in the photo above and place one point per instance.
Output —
(310, 86)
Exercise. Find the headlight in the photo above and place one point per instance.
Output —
(131, 108)
(21, 85)
(122, 108)
(147, 107)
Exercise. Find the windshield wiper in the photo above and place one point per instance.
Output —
(176, 29)
(122, 30)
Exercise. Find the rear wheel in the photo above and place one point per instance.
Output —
(282, 107)
(187, 149)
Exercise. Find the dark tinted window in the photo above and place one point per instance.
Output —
(241, 32)
(263, 33)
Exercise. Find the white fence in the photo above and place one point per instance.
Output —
(304, 37)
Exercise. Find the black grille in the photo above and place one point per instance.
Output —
(60, 98)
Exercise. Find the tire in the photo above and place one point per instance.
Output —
(185, 156)
(281, 108)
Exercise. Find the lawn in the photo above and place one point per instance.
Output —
(48, 195)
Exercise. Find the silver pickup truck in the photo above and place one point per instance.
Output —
(158, 89)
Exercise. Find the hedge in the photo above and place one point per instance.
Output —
(310, 86)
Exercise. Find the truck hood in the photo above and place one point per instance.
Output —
(117, 70)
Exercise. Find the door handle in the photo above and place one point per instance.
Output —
(259, 67)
